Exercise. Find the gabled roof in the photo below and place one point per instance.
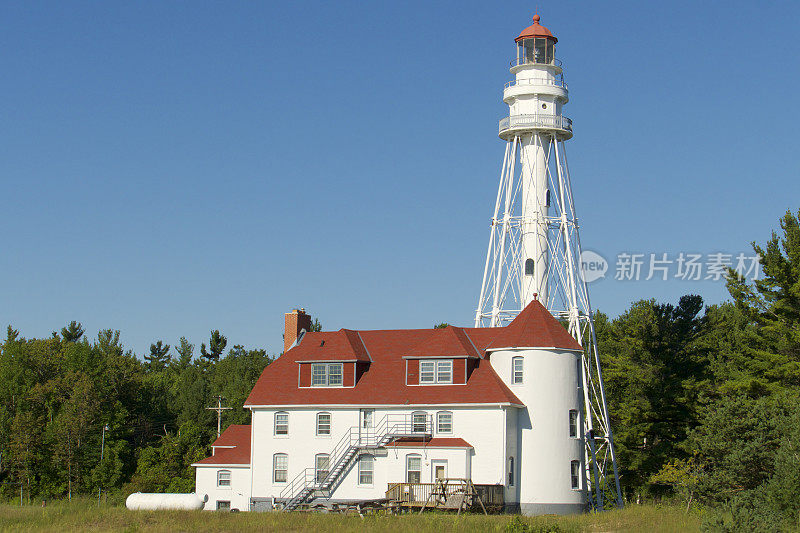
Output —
(231, 448)
(342, 345)
(384, 381)
(534, 327)
(449, 342)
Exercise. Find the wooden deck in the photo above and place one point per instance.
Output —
(447, 494)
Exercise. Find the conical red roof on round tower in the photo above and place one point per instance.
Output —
(536, 30)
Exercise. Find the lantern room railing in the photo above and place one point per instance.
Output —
(544, 122)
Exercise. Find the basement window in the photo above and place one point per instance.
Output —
(326, 374)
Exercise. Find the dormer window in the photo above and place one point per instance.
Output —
(435, 371)
(326, 374)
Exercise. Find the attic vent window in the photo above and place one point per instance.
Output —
(326, 374)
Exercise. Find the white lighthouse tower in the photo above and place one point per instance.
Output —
(534, 247)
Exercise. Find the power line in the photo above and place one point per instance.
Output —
(219, 410)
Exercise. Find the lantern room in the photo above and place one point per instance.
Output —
(536, 45)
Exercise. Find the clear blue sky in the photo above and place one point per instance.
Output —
(173, 167)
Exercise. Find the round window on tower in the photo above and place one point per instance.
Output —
(544, 106)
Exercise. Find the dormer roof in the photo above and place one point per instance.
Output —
(342, 345)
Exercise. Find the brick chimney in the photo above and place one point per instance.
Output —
(296, 321)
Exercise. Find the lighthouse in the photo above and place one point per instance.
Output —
(534, 248)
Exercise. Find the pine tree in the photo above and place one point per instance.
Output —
(216, 343)
(773, 304)
(159, 356)
(72, 332)
(185, 351)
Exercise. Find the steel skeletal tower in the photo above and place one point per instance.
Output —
(534, 246)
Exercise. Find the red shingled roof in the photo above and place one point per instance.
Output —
(384, 381)
(534, 327)
(449, 341)
(342, 345)
(238, 436)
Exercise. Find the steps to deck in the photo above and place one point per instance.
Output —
(307, 485)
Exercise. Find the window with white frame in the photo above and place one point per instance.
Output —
(419, 422)
(223, 478)
(282, 423)
(366, 469)
(413, 468)
(573, 423)
(322, 463)
(444, 371)
(516, 370)
(575, 474)
(444, 422)
(427, 371)
(436, 371)
(326, 374)
(280, 468)
(323, 424)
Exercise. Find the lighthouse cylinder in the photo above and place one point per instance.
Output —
(535, 98)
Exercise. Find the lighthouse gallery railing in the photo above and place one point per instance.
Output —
(556, 122)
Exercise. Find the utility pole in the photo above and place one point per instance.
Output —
(219, 410)
(102, 449)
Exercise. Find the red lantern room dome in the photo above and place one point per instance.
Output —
(536, 30)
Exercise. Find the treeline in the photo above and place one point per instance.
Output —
(704, 403)
(58, 394)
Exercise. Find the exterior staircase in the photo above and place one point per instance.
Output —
(311, 483)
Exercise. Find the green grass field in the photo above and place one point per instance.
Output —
(85, 516)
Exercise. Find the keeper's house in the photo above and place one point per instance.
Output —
(347, 415)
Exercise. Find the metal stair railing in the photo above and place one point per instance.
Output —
(355, 439)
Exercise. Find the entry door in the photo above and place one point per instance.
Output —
(438, 469)
(365, 424)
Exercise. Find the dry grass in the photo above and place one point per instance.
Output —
(85, 516)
